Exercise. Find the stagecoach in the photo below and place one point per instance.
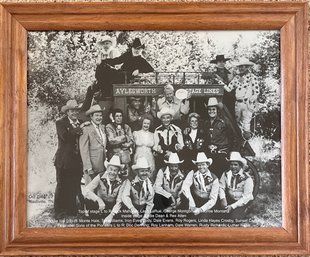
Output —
(150, 86)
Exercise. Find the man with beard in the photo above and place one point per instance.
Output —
(69, 168)
(93, 144)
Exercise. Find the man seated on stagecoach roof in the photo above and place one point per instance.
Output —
(138, 193)
(219, 137)
(93, 144)
(223, 74)
(105, 188)
(168, 137)
(246, 86)
(168, 184)
(120, 138)
(169, 100)
(236, 187)
(107, 49)
(200, 187)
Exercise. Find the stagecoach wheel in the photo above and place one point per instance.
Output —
(253, 172)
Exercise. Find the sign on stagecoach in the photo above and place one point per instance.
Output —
(158, 89)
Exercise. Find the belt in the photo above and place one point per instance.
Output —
(241, 100)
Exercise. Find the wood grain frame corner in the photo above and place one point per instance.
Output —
(288, 17)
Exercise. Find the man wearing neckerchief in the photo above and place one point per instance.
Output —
(236, 187)
(200, 187)
(138, 193)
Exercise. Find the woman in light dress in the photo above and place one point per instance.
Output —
(144, 141)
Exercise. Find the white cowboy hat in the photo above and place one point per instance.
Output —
(141, 163)
(104, 39)
(201, 157)
(164, 111)
(181, 94)
(115, 161)
(236, 157)
(93, 109)
(245, 61)
(212, 102)
(70, 105)
(174, 159)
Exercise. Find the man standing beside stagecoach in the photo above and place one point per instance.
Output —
(246, 85)
(68, 163)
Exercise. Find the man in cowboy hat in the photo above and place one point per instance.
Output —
(168, 184)
(69, 168)
(167, 137)
(201, 187)
(135, 111)
(107, 50)
(246, 86)
(219, 137)
(138, 194)
(179, 107)
(132, 62)
(236, 187)
(93, 144)
(105, 188)
(223, 74)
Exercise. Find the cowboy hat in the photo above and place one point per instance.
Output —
(212, 101)
(165, 111)
(236, 157)
(137, 44)
(115, 161)
(173, 159)
(220, 58)
(245, 61)
(201, 157)
(104, 39)
(93, 109)
(70, 105)
(141, 163)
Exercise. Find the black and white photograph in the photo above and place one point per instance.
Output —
(154, 129)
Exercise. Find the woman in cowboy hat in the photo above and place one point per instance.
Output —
(236, 187)
(200, 186)
(218, 137)
(104, 189)
(93, 143)
(167, 137)
(138, 194)
(69, 168)
(168, 184)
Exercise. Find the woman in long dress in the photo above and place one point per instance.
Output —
(144, 141)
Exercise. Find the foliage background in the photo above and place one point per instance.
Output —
(61, 65)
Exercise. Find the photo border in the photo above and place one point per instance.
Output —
(288, 17)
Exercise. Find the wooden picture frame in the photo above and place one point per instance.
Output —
(288, 17)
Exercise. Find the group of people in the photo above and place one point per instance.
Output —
(163, 157)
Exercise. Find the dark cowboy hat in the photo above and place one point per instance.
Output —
(220, 58)
(137, 44)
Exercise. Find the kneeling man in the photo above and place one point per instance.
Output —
(104, 189)
(168, 184)
(201, 187)
(236, 187)
(138, 194)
